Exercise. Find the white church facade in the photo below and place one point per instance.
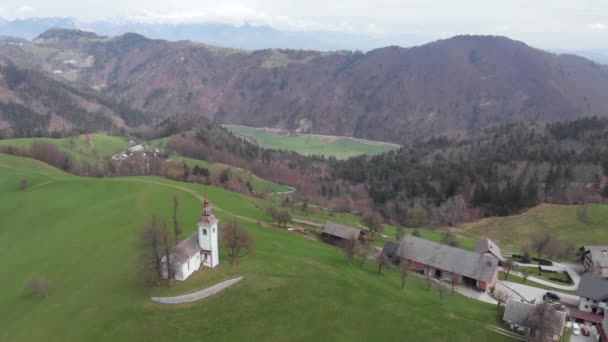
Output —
(200, 249)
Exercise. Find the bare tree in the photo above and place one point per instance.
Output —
(151, 240)
(363, 252)
(350, 247)
(450, 239)
(23, 184)
(539, 244)
(501, 296)
(441, 290)
(177, 230)
(454, 279)
(543, 322)
(236, 240)
(428, 276)
(382, 261)
(404, 265)
(37, 285)
(373, 222)
(281, 216)
(399, 232)
(508, 266)
(168, 244)
(525, 275)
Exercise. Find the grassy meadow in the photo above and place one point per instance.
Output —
(81, 233)
(309, 144)
(578, 224)
(96, 148)
(92, 148)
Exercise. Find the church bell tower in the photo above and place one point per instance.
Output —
(208, 236)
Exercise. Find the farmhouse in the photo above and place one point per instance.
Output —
(450, 263)
(518, 315)
(487, 246)
(199, 249)
(335, 233)
(595, 259)
(593, 291)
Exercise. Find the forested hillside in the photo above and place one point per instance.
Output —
(34, 104)
(500, 171)
(456, 85)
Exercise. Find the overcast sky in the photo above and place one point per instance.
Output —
(552, 24)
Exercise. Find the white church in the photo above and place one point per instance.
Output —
(200, 249)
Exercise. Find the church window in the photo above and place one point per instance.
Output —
(204, 231)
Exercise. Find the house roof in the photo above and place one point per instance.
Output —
(340, 231)
(390, 249)
(599, 255)
(187, 248)
(469, 264)
(593, 287)
(488, 246)
(517, 312)
(585, 316)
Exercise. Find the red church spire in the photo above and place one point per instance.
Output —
(207, 216)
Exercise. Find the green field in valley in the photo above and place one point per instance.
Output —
(81, 234)
(309, 144)
(576, 224)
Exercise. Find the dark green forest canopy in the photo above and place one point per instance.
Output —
(502, 170)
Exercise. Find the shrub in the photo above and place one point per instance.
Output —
(37, 285)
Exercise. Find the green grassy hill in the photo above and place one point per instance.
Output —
(215, 169)
(576, 224)
(308, 144)
(95, 148)
(92, 148)
(81, 234)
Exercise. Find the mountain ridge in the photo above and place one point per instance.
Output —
(449, 86)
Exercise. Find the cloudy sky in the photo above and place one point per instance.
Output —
(553, 24)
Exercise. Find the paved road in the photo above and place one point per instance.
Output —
(197, 295)
(576, 278)
(530, 293)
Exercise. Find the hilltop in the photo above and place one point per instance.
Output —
(293, 286)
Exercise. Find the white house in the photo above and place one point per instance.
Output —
(593, 292)
(199, 249)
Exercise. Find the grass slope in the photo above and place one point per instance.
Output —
(258, 184)
(308, 144)
(577, 224)
(92, 148)
(81, 233)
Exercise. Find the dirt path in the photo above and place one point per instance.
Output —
(182, 188)
(198, 295)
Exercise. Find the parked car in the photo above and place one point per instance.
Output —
(551, 295)
(585, 332)
(576, 329)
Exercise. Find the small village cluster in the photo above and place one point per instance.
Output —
(478, 270)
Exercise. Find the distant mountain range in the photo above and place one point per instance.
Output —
(240, 37)
(394, 94)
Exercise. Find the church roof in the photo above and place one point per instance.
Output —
(207, 217)
(187, 248)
